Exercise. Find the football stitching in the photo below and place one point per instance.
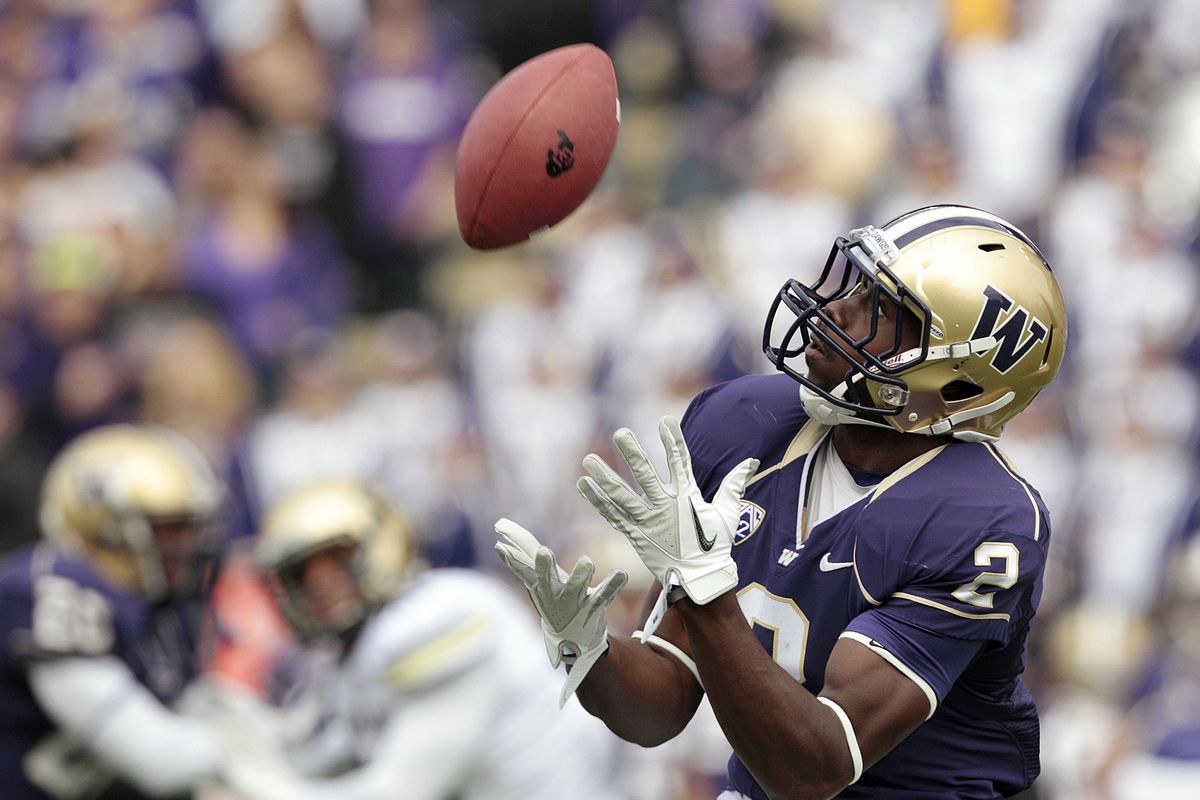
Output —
(487, 184)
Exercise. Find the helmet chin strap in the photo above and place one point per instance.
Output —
(946, 424)
(828, 413)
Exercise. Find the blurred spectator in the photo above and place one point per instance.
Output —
(267, 271)
(23, 459)
(63, 374)
(404, 99)
(1136, 476)
(417, 419)
(283, 82)
(996, 73)
(677, 332)
(102, 189)
(143, 60)
(238, 26)
(314, 433)
(532, 382)
(192, 378)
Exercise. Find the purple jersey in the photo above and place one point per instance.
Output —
(54, 605)
(938, 569)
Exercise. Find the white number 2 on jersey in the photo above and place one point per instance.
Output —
(785, 620)
(68, 617)
(986, 555)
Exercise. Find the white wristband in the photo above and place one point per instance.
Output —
(851, 739)
(663, 644)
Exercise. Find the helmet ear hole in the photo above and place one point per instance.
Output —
(957, 391)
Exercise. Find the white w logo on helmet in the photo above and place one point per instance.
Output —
(1010, 346)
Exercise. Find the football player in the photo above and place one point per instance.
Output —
(98, 623)
(850, 565)
(435, 688)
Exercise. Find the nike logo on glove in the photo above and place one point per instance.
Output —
(706, 544)
(829, 566)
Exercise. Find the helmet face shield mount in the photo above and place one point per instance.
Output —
(858, 263)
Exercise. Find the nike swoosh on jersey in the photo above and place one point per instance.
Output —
(706, 544)
(829, 566)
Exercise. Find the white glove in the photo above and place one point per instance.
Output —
(574, 616)
(682, 539)
(253, 763)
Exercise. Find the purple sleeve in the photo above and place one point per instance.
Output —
(935, 612)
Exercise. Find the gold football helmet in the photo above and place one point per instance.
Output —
(109, 490)
(991, 319)
(328, 515)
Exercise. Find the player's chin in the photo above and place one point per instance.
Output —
(824, 370)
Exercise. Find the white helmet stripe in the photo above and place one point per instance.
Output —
(908, 228)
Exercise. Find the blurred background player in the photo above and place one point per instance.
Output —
(421, 683)
(99, 623)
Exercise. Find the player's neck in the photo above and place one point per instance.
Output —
(880, 450)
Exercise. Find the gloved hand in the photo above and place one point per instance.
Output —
(253, 764)
(574, 616)
(682, 539)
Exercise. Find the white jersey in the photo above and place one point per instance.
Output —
(447, 692)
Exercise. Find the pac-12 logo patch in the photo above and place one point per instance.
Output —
(749, 520)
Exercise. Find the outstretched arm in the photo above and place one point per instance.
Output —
(642, 692)
(97, 701)
(422, 753)
(797, 745)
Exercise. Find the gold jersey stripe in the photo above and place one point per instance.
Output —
(803, 442)
(941, 607)
(858, 578)
(426, 661)
(1006, 465)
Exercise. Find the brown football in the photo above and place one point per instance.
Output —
(536, 146)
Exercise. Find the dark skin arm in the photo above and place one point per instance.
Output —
(643, 695)
(794, 745)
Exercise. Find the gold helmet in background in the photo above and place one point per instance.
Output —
(991, 319)
(109, 490)
(328, 515)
